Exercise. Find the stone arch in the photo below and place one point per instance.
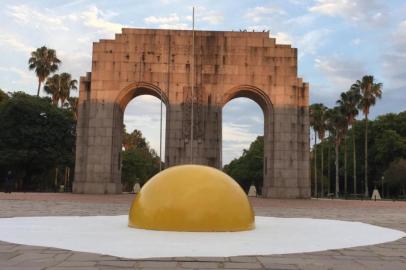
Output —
(136, 89)
(125, 95)
(251, 92)
(264, 102)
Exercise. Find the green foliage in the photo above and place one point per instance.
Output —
(3, 96)
(386, 143)
(348, 103)
(336, 123)
(35, 136)
(140, 162)
(370, 91)
(44, 62)
(73, 106)
(318, 115)
(248, 169)
(395, 176)
(59, 87)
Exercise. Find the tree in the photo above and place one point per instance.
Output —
(67, 84)
(318, 123)
(248, 169)
(73, 106)
(134, 140)
(387, 143)
(35, 136)
(370, 92)
(44, 61)
(140, 162)
(3, 96)
(313, 111)
(320, 115)
(52, 87)
(59, 87)
(348, 103)
(395, 175)
(336, 122)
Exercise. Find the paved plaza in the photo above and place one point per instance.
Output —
(382, 213)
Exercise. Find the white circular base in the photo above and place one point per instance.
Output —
(110, 235)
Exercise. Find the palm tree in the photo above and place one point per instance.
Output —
(44, 62)
(348, 104)
(370, 91)
(336, 123)
(67, 84)
(59, 86)
(73, 104)
(319, 114)
(52, 87)
(313, 123)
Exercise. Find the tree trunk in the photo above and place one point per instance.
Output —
(315, 163)
(345, 165)
(366, 157)
(336, 163)
(322, 169)
(354, 158)
(39, 87)
(329, 167)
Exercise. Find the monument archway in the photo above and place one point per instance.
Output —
(223, 66)
(262, 100)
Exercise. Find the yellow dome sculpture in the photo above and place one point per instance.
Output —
(192, 198)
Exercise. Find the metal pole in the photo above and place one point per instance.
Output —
(160, 136)
(193, 84)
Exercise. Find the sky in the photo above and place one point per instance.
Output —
(338, 42)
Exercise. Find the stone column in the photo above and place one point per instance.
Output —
(97, 158)
(285, 182)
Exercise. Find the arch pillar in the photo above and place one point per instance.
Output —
(97, 165)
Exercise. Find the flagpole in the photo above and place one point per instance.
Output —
(193, 84)
(160, 137)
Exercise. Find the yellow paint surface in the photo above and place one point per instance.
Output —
(192, 198)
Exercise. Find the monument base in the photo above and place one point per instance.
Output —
(96, 188)
(286, 193)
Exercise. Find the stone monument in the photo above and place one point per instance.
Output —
(222, 66)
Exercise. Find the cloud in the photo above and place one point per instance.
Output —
(172, 21)
(175, 21)
(172, 18)
(209, 16)
(356, 41)
(283, 38)
(311, 41)
(236, 137)
(340, 72)
(367, 12)
(143, 113)
(25, 76)
(301, 21)
(97, 19)
(46, 20)
(394, 59)
(73, 44)
(24, 14)
(259, 13)
(237, 133)
(14, 43)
